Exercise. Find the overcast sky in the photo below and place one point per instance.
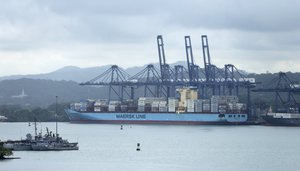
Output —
(39, 36)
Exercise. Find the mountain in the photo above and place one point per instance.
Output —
(38, 92)
(68, 73)
(73, 73)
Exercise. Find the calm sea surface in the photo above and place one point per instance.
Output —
(163, 147)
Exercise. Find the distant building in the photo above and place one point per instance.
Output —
(20, 96)
(2, 118)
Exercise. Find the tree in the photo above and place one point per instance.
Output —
(4, 151)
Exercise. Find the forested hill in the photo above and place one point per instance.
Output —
(41, 93)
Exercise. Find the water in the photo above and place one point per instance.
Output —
(163, 147)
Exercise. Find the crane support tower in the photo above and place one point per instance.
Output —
(206, 57)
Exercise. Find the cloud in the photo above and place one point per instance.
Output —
(255, 35)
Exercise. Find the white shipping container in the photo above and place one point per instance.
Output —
(149, 100)
(198, 105)
(172, 100)
(230, 106)
(77, 106)
(171, 109)
(141, 103)
(115, 102)
(190, 103)
(155, 104)
(162, 104)
(214, 108)
(111, 108)
(215, 103)
(101, 102)
(141, 108)
(97, 109)
(172, 104)
(198, 102)
(142, 98)
(206, 107)
(232, 99)
(215, 99)
(198, 109)
(162, 109)
(240, 106)
(190, 110)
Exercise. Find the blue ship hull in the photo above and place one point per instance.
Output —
(156, 118)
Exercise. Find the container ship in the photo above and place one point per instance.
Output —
(188, 109)
(291, 118)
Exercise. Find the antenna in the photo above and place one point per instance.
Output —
(56, 117)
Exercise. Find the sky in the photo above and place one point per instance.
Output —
(40, 36)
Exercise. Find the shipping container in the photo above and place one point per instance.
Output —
(224, 99)
(198, 105)
(111, 108)
(141, 108)
(222, 109)
(155, 104)
(171, 109)
(97, 108)
(147, 108)
(172, 104)
(190, 105)
(206, 107)
(163, 109)
(124, 108)
(214, 108)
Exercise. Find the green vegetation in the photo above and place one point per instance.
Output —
(4, 152)
(16, 113)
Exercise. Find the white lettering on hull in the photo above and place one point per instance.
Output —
(130, 116)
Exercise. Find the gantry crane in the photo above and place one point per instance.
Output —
(284, 91)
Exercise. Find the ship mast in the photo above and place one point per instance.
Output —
(35, 129)
(56, 117)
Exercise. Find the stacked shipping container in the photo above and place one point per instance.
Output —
(217, 104)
